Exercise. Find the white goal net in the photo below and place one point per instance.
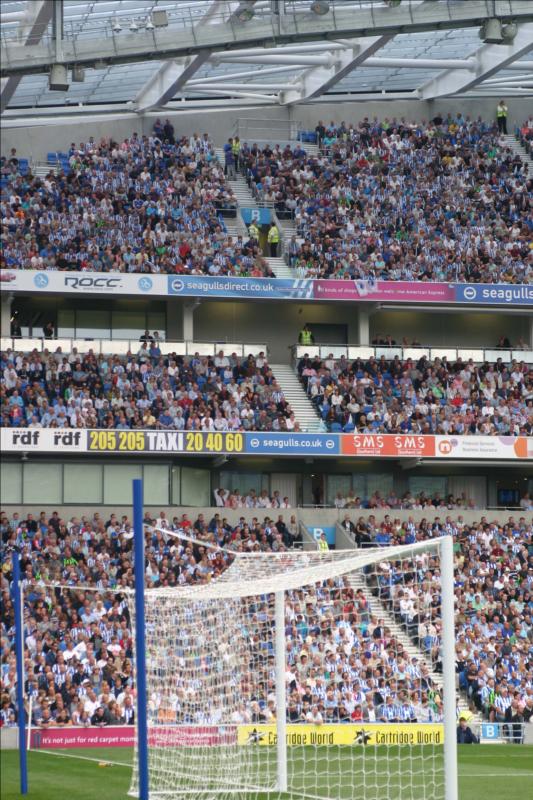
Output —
(300, 675)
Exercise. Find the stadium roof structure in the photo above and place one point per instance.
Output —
(115, 56)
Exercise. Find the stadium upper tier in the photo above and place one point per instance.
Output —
(147, 388)
(422, 396)
(397, 201)
(344, 658)
(445, 200)
(138, 206)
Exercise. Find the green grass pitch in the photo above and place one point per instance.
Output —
(488, 772)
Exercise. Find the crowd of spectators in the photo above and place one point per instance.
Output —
(421, 397)
(226, 498)
(494, 605)
(344, 662)
(408, 500)
(390, 200)
(396, 200)
(148, 204)
(78, 643)
(141, 390)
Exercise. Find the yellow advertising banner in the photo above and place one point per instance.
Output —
(349, 734)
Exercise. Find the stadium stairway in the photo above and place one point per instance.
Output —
(280, 268)
(242, 192)
(304, 411)
(356, 581)
(517, 147)
(288, 229)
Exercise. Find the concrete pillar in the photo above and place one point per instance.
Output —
(5, 315)
(174, 317)
(363, 324)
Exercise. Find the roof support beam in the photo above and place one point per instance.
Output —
(490, 58)
(173, 75)
(318, 80)
(32, 24)
(169, 79)
(188, 38)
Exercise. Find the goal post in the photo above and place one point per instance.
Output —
(16, 593)
(226, 678)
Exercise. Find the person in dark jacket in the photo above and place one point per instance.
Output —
(465, 734)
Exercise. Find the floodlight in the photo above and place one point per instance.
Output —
(116, 27)
(149, 25)
(58, 78)
(320, 7)
(491, 31)
(133, 26)
(509, 31)
(392, 3)
(244, 12)
(78, 74)
(159, 18)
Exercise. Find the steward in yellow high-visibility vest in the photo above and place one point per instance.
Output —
(253, 230)
(273, 240)
(322, 542)
(501, 117)
(305, 336)
(236, 150)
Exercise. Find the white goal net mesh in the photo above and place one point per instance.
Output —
(360, 685)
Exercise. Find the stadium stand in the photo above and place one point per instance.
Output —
(149, 206)
(142, 390)
(393, 200)
(355, 207)
(421, 396)
(79, 643)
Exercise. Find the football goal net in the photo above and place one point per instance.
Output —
(328, 676)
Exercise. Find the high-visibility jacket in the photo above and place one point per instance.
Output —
(501, 111)
(273, 235)
(306, 337)
(253, 230)
(323, 545)
(236, 148)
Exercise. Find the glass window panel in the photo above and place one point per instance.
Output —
(243, 481)
(155, 477)
(359, 485)
(127, 324)
(378, 483)
(157, 321)
(66, 323)
(42, 483)
(176, 486)
(82, 483)
(195, 487)
(337, 483)
(431, 485)
(117, 483)
(11, 483)
(93, 324)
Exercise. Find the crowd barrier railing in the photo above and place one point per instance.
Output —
(352, 352)
(124, 346)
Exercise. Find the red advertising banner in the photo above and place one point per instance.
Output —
(111, 736)
(124, 735)
(394, 445)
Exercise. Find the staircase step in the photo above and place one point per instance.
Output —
(356, 580)
(304, 410)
